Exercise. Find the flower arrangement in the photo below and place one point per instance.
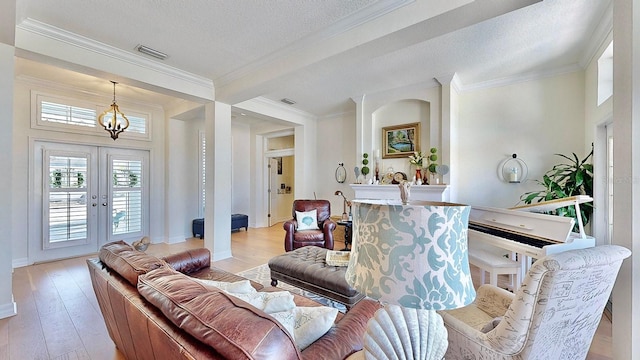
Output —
(416, 159)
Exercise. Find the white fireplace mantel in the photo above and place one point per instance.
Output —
(392, 192)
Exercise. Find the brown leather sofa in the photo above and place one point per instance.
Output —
(154, 309)
(323, 237)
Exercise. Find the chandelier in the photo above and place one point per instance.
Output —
(112, 119)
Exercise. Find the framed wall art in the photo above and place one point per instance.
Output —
(400, 140)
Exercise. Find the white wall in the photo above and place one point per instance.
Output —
(179, 155)
(533, 119)
(398, 113)
(7, 199)
(336, 144)
(241, 169)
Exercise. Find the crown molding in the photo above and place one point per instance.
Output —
(261, 102)
(51, 32)
(600, 38)
(51, 87)
(371, 12)
(521, 78)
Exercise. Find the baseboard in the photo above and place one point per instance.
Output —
(9, 309)
(16, 263)
(221, 255)
(177, 239)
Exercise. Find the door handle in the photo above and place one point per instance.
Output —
(94, 204)
(104, 204)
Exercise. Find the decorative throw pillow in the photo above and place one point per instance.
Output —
(239, 287)
(287, 319)
(311, 323)
(307, 220)
(491, 324)
(269, 302)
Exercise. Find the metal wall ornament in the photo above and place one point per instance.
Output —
(341, 173)
(112, 119)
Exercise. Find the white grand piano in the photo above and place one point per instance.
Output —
(528, 233)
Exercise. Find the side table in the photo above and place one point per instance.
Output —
(347, 233)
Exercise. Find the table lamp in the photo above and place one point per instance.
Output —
(345, 217)
(412, 258)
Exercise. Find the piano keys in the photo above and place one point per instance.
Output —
(525, 232)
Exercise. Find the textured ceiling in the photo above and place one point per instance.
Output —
(322, 53)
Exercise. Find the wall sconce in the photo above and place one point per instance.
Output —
(112, 119)
(513, 170)
(341, 173)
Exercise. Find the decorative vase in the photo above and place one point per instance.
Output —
(418, 174)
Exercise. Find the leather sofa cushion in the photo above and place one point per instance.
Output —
(127, 261)
(189, 261)
(232, 327)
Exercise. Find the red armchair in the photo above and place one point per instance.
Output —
(322, 237)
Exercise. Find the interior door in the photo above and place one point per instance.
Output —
(85, 196)
(273, 191)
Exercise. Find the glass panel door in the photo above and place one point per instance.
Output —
(126, 190)
(85, 196)
(67, 215)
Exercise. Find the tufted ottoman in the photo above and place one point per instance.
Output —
(306, 268)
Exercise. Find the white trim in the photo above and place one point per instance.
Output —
(16, 263)
(362, 16)
(521, 78)
(8, 309)
(51, 32)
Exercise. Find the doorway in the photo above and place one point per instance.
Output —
(85, 196)
(281, 175)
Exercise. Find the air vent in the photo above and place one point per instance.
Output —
(288, 101)
(151, 52)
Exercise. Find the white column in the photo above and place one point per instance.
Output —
(217, 217)
(626, 177)
(7, 305)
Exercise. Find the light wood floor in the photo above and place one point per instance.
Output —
(58, 316)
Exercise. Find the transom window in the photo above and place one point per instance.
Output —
(76, 116)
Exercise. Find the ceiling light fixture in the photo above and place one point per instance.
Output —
(288, 101)
(112, 119)
(151, 52)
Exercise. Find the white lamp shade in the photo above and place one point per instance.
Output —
(414, 255)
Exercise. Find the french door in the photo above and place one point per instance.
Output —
(85, 196)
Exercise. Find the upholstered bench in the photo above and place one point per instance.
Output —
(238, 221)
(307, 269)
(495, 265)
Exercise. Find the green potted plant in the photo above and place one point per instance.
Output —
(565, 180)
(365, 162)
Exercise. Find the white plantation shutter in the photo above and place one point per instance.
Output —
(66, 114)
(203, 147)
(77, 116)
(66, 214)
(127, 196)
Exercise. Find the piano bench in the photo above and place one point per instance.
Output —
(495, 265)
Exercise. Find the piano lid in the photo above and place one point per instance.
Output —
(550, 205)
(547, 227)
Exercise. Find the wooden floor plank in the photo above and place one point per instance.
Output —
(56, 301)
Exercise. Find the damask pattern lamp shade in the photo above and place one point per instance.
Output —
(414, 256)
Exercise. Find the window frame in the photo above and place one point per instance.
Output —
(38, 97)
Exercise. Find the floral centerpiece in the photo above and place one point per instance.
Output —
(416, 160)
